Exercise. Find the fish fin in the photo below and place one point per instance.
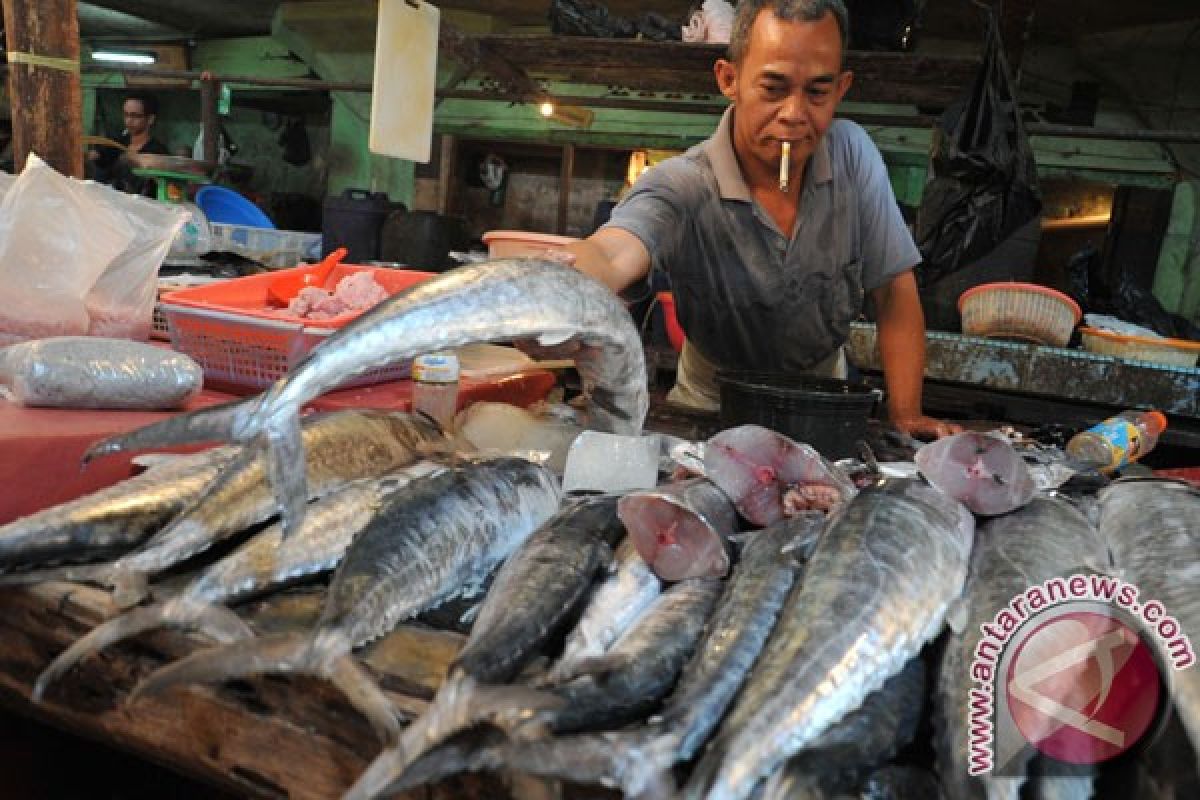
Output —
(212, 424)
(958, 614)
(365, 695)
(283, 653)
(809, 525)
(550, 338)
(213, 620)
(286, 469)
(598, 668)
(129, 587)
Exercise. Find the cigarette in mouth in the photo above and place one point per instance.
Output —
(784, 161)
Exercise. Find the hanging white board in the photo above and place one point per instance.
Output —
(402, 91)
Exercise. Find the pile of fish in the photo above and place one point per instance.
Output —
(764, 626)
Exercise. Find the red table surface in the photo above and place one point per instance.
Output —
(40, 448)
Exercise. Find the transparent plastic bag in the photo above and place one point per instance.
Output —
(95, 372)
(78, 257)
(56, 239)
(121, 302)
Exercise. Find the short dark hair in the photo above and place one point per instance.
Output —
(790, 10)
(149, 102)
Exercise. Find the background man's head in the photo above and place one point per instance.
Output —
(139, 111)
(791, 10)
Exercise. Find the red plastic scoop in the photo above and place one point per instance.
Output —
(285, 287)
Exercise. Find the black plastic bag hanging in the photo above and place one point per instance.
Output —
(983, 179)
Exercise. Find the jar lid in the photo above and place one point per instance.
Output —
(435, 368)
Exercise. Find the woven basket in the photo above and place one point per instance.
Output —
(1023, 311)
(1171, 352)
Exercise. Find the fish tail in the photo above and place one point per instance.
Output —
(642, 763)
(365, 695)
(286, 468)
(271, 654)
(463, 702)
(218, 622)
(214, 424)
(282, 654)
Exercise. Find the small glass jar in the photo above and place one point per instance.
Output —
(435, 387)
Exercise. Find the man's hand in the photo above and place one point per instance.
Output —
(923, 427)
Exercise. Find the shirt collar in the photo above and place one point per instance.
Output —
(729, 175)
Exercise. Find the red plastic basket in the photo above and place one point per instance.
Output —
(231, 330)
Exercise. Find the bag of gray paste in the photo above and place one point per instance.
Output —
(94, 372)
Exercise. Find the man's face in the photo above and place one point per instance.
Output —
(137, 121)
(786, 88)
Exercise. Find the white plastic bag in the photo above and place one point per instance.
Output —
(77, 257)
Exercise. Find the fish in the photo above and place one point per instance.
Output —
(768, 476)
(980, 470)
(1152, 528)
(446, 531)
(616, 604)
(739, 628)
(1043, 540)
(539, 589)
(881, 579)
(861, 741)
(624, 684)
(264, 562)
(113, 520)
(501, 299)
(342, 446)
(681, 529)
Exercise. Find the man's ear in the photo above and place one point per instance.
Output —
(844, 82)
(726, 73)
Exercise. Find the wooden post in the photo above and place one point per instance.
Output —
(210, 91)
(43, 82)
(564, 186)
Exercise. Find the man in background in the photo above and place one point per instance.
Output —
(111, 165)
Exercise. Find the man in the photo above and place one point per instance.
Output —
(140, 112)
(768, 276)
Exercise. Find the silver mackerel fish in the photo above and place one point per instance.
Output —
(341, 446)
(496, 300)
(1045, 539)
(1152, 529)
(421, 548)
(263, 563)
(877, 587)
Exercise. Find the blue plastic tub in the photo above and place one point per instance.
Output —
(230, 208)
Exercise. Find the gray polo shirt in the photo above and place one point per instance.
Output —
(747, 295)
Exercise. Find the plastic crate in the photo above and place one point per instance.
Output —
(159, 328)
(269, 247)
(230, 329)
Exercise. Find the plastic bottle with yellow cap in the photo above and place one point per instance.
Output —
(1119, 440)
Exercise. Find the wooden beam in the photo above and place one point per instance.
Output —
(687, 68)
(43, 83)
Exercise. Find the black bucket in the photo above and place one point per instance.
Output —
(353, 220)
(831, 415)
